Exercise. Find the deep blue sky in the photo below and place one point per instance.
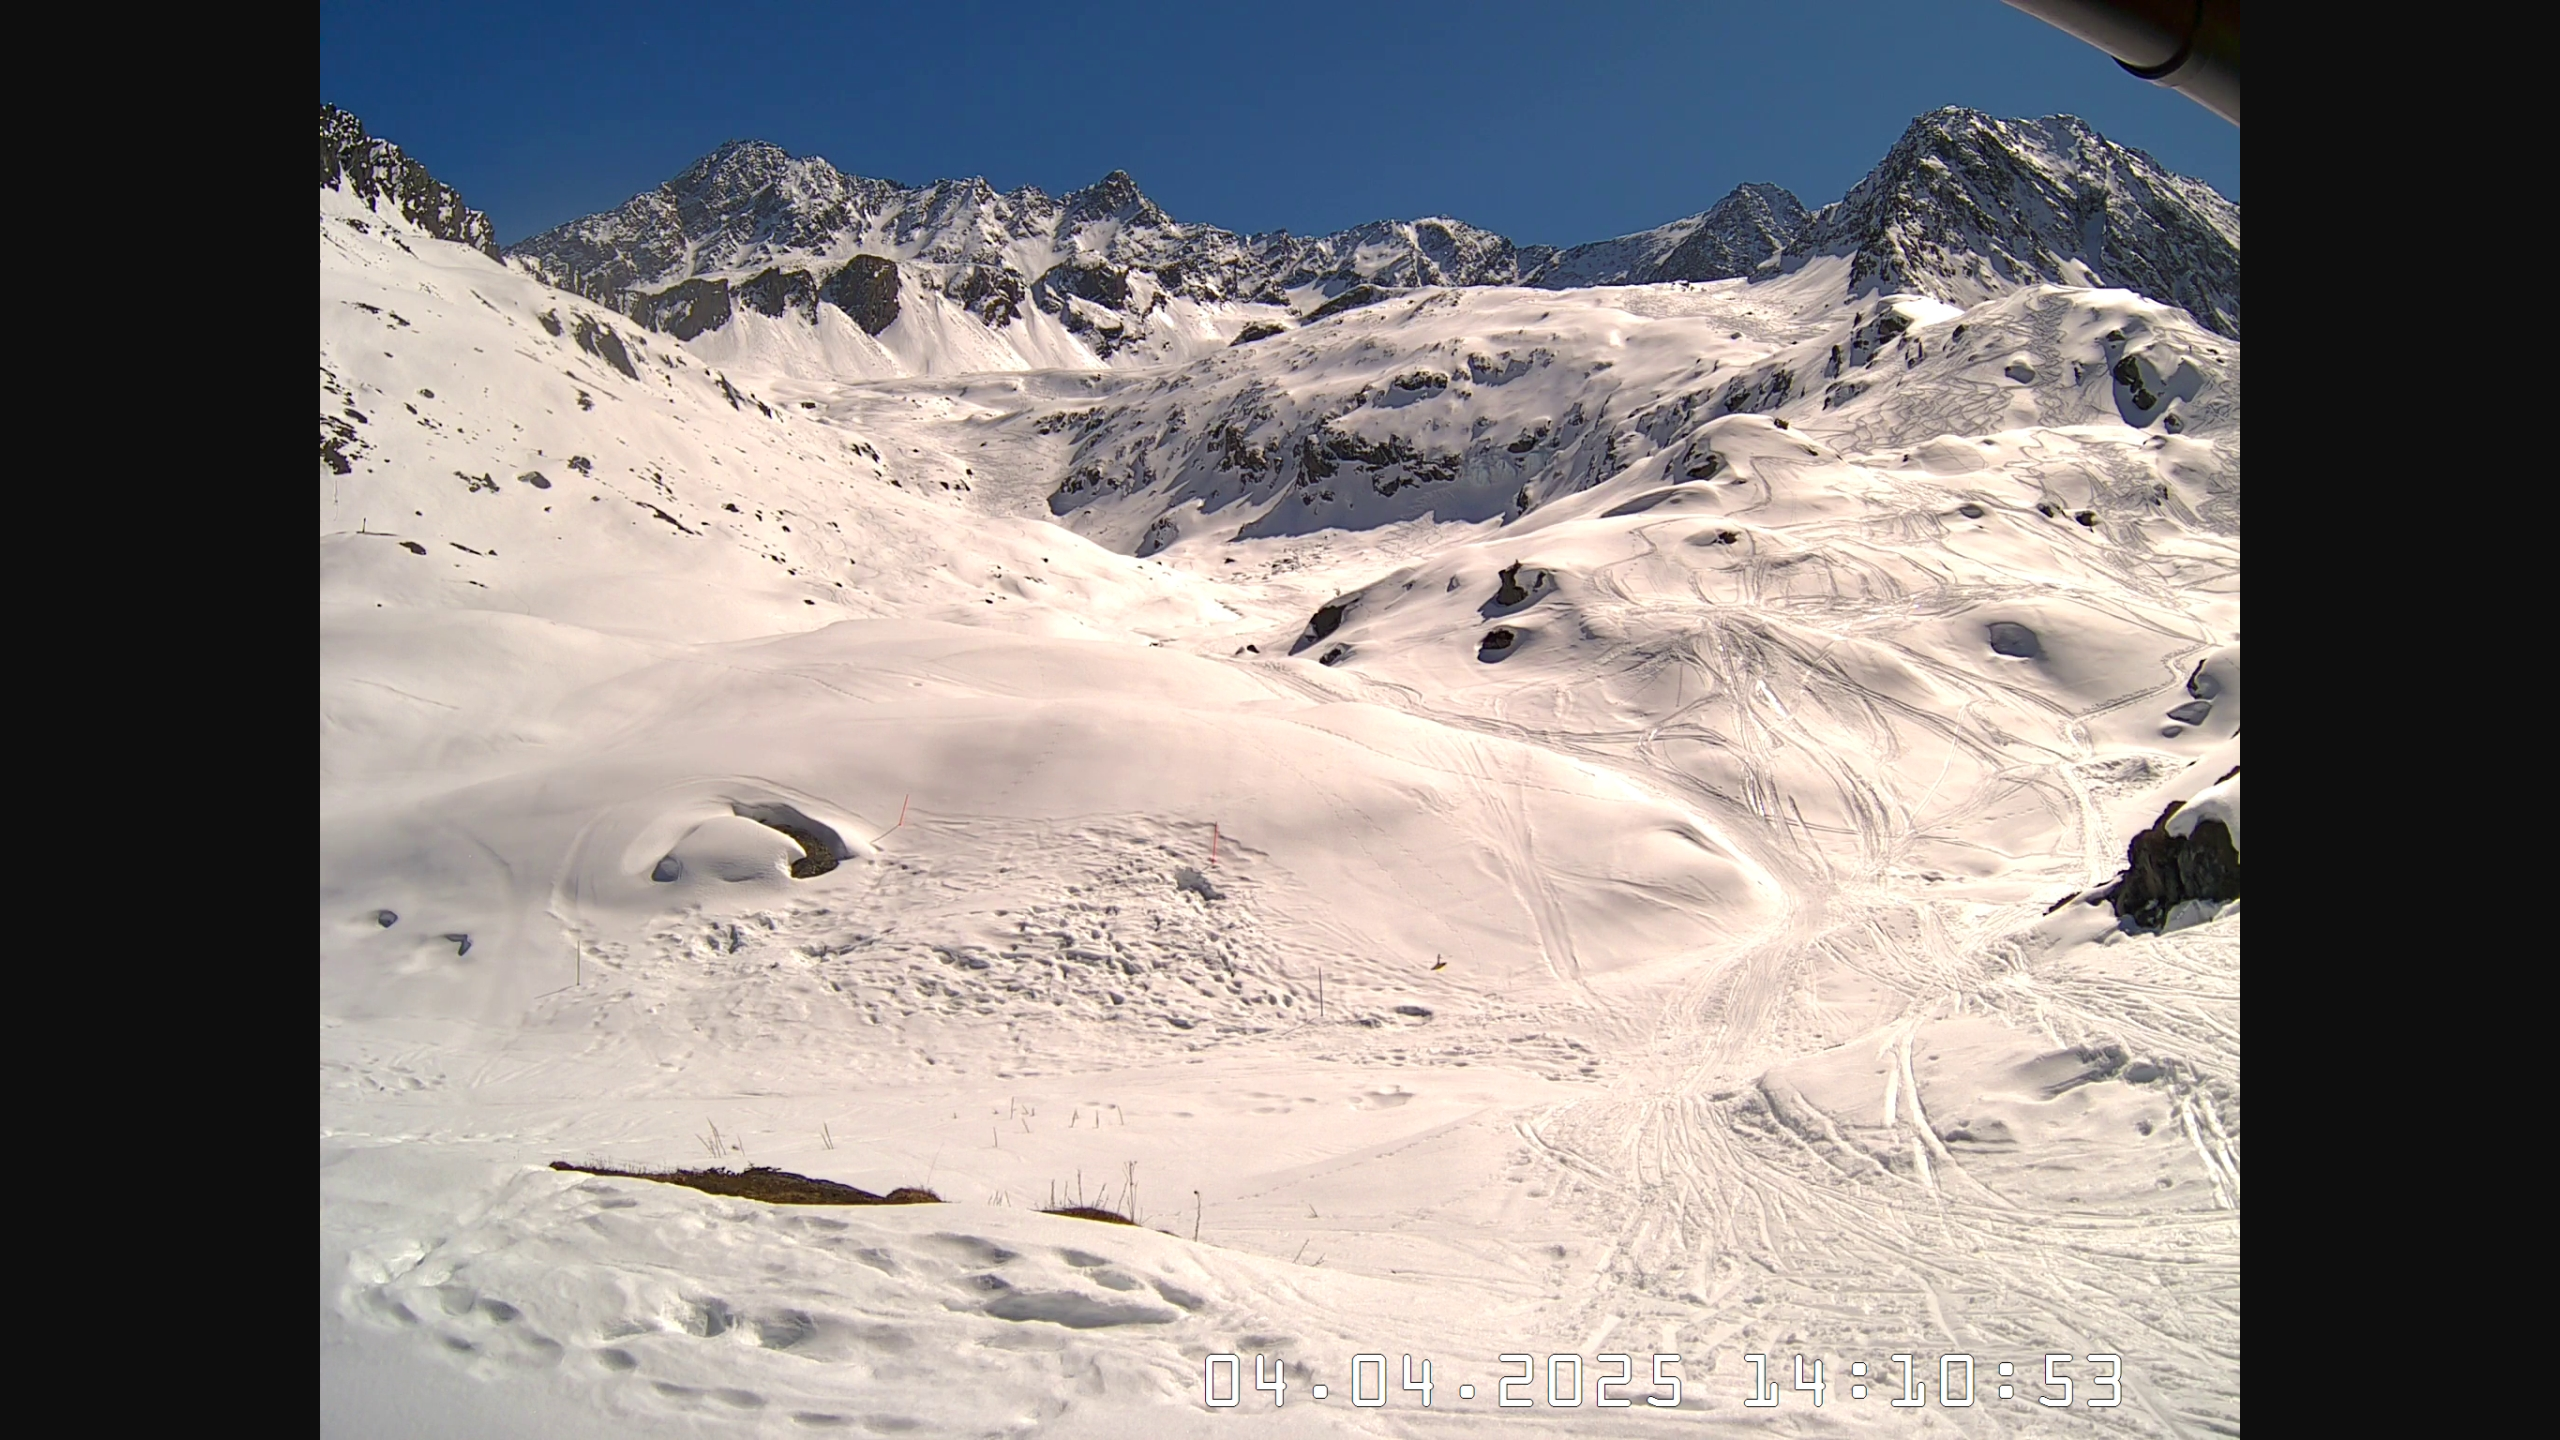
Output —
(1552, 123)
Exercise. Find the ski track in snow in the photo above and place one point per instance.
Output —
(1815, 1074)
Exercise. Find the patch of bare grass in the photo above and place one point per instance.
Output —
(1091, 1212)
(762, 1182)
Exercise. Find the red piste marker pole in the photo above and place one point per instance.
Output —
(902, 819)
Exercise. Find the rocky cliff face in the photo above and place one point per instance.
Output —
(376, 172)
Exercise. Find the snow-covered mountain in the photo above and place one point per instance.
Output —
(1965, 207)
(1962, 208)
(1093, 275)
(1748, 230)
(1685, 820)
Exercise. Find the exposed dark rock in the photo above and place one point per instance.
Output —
(2008, 637)
(822, 849)
(685, 310)
(1497, 642)
(599, 340)
(1327, 619)
(866, 290)
(2163, 871)
(336, 436)
(1351, 299)
(1259, 330)
(993, 294)
(2128, 374)
(1510, 593)
(770, 292)
(375, 170)
(1323, 454)
(663, 515)
(1094, 281)
(1758, 394)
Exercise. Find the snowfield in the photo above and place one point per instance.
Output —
(1496, 821)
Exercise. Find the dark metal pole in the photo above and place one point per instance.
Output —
(2190, 46)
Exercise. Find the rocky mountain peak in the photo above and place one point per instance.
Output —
(376, 170)
(1113, 197)
(1965, 205)
(735, 173)
(1750, 228)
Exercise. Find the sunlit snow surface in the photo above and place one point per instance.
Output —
(1754, 1033)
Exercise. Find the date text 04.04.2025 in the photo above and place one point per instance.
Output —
(1608, 1381)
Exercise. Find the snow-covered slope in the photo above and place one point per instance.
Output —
(1671, 916)
(1484, 404)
